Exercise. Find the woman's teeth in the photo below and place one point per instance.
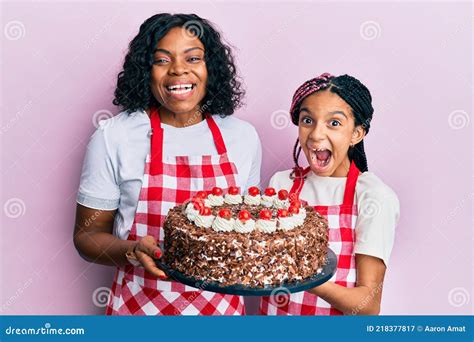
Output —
(180, 88)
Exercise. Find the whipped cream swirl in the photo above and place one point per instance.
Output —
(215, 201)
(252, 200)
(190, 212)
(221, 224)
(281, 204)
(233, 199)
(267, 201)
(266, 226)
(287, 223)
(204, 221)
(244, 227)
(300, 217)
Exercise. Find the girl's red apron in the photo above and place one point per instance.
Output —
(341, 220)
(167, 182)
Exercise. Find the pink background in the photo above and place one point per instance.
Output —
(59, 64)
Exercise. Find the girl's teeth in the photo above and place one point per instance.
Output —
(318, 162)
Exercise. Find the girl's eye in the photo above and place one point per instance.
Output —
(335, 123)
(307, 120)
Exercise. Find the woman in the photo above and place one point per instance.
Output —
(333, 115)
(175, 136)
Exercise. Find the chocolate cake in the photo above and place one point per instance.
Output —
(251, 240)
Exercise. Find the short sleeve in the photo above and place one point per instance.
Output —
(98, 188)
(378, 214)
(281, 180)
(254, 175)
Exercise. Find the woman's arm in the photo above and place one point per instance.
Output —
(95, 242)
(365, 297)
(94, 239)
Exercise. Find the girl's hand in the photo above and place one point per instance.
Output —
(146, 252)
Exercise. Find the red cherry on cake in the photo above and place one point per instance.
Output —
(254, 191)
(265, 214)
(216, 191)
(296, 203)
(282, 195)
(198, 205)
(233, 190)
(293, 210)
(282, 213)
(202, 194)
(270, 192)
(205, 211)
(225, 213)
(244, 215)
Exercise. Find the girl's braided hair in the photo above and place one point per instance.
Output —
(354, 93)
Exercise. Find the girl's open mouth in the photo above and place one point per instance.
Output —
(180, 91)
(320, 158)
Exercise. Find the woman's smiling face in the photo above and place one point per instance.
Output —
(179, 73)
(326, 130)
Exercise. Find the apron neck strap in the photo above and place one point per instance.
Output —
(299, 175)
(351, 182)
(156, 145)
(349, 190)
(216, 134)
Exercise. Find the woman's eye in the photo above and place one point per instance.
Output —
(194, 59)
(335, 123)
(160, 61)
(306, 120)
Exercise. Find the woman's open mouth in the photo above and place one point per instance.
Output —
(180, 91)
(320, 158)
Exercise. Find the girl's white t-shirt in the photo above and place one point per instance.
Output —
(115, 159)
(378, 207)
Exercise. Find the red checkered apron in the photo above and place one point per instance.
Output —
(169, 181)
(341, 221)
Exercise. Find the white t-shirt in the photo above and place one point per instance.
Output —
(378, 207)
(115, 159)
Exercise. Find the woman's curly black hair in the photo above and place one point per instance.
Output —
(224, 92)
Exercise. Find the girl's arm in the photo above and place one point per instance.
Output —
(365, 297)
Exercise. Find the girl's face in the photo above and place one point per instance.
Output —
(326, 130)
(179, 73)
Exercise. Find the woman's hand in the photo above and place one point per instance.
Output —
(146, 252)
(95, 242)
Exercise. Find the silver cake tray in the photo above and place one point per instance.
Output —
(323, 276)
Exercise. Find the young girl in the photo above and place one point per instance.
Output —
(333, 115)
(175, 136)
